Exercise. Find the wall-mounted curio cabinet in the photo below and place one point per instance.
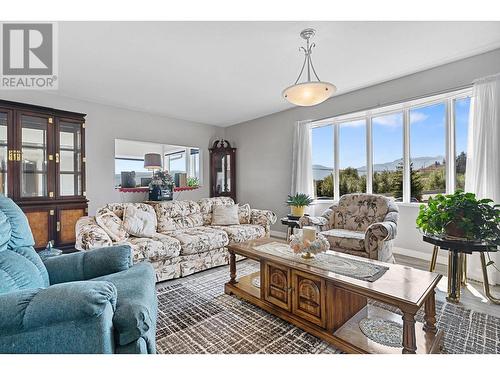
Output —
(222, 169)
(42, 168)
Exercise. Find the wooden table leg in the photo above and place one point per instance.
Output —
(409, 339)
(430, 313)
(434, 258)
(232, 267)
(486, 281)
(463, 265)
(454, 276)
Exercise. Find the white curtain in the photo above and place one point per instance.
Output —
(302, 179)
(483, 155)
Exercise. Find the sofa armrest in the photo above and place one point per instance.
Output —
(89, 235)
(85, 265)
(35, 308)
(319, 222)
(263, 217)
(378, 232)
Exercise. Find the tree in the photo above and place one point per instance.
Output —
(436, 180)
(325, 187)
(350, 181)
(415, 183)
(461, 163)
(382, 182)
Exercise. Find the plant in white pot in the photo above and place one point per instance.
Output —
(298, 203)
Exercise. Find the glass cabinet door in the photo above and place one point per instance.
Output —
(3, 153)
(34, 150)
(223, 174)
(69, 159)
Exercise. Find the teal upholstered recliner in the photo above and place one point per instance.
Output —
(87, 302)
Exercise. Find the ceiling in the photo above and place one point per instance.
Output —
(223, 73)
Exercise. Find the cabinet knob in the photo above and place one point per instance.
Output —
(57, 157)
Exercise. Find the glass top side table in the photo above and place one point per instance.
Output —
(457, 263)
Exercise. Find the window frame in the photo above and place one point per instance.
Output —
(405, 107)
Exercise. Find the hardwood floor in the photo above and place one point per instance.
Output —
(472, 296)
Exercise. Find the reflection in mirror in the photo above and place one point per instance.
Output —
(182, 162)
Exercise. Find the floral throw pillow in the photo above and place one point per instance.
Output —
(111, 224)
(244, 213)
(139, 220)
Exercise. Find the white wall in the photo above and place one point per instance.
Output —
(264, 156)
(105, 123)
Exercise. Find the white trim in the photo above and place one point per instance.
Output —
(369, 155)
(406, 157)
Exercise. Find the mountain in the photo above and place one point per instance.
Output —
(420, 162)
(320, 171)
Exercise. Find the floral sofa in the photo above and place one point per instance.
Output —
(359, 224)
(184, 241)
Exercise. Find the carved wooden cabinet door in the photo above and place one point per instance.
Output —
(309, 297)
(277, 285)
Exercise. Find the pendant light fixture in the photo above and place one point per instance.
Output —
(308, 93)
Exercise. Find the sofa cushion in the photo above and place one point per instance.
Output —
(242, 232)
(175, 215)
(159, 247)
(111, 224)
(20, 234)
(116, 208)
(359, 211)
(201, 239)
(5, 231)
(207, 204)
(345, 239)
(225, 215)
(139, 220)
(21, 268)
(244, 213)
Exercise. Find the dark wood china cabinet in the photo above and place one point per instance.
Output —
(42, 168)
(222, 170)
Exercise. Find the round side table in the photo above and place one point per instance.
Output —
(457, 263)
(291, 223)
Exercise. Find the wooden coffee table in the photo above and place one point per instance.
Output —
(330, 306)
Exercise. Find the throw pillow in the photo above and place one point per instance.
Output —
(139, 220)
(111, 224)
(225, 215)
(244, 213)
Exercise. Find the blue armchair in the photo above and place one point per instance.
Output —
(87, 302)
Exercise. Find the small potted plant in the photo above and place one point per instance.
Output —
(461, 216)
(298, 203)
(193, 182)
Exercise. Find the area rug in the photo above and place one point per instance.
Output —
(195, 317)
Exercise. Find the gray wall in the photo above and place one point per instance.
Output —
(105, 123)
(264, 157)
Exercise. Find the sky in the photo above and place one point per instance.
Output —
(427, 136)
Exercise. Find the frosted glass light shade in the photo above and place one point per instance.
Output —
(309, 93)
(152, 161)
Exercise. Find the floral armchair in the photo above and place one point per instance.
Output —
(359, 224)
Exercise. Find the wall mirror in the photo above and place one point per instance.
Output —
(184, 163)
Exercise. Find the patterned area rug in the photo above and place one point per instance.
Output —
(195, 317)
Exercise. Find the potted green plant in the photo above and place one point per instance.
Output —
(298, 203)
(461, 215)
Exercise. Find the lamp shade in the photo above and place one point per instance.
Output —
(309, 93)
(152, 161)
